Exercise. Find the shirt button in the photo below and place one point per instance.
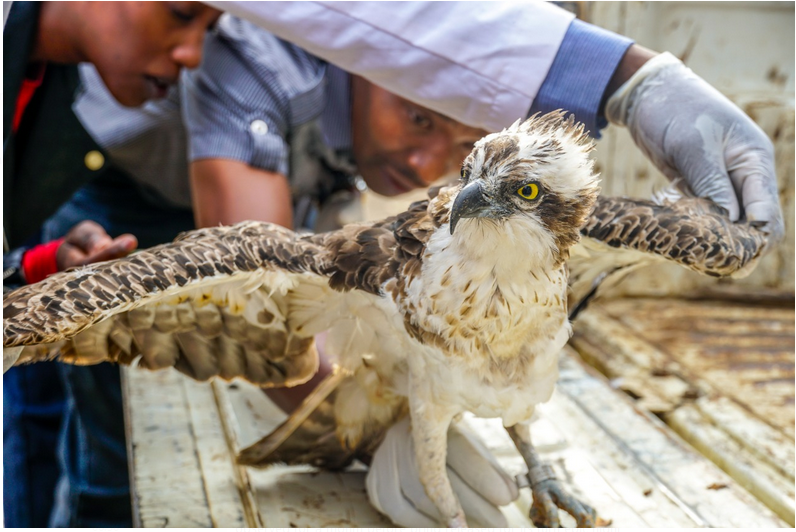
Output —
(259, 127)
(94, 160)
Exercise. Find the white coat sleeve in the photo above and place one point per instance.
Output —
(481, 63)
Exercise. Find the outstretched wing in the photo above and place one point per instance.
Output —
(240, 301)
(214, 302)
(623, 234)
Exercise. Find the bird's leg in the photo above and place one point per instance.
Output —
(430, 424)
(548, 493)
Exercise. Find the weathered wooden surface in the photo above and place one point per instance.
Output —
(720, 373)
(625, 463)
(167, 484)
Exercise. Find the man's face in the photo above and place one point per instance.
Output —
(139, 48)
(398, 145)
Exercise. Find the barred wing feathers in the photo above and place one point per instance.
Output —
(237, 301)
(623, 234)
(214, 302)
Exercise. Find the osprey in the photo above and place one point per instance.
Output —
(458, 304)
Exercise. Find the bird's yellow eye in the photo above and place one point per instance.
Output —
(464, 173)
(529, 191)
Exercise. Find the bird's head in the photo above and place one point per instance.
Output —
(537, 173)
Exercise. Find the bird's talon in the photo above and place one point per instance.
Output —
(548, 497)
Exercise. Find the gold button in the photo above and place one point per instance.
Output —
(94, 160)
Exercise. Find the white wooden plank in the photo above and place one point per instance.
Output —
(759, 478)
(167, 485)
(219, 472)
(765, 442)
(684, 476)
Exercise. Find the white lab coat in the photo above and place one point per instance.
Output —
(481, 63)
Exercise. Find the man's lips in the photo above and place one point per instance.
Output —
(400, 181)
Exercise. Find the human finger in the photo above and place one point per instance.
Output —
(88, 236)
(117, 248)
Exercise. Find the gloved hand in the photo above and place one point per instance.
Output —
(689, 130)
(394, 487)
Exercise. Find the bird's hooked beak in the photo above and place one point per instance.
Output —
(470, 203)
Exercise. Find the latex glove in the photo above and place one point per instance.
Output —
(394, 487)
(87, 242)
(689, 130)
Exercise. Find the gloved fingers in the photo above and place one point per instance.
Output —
(697, 152)
(384, 485)
(761, 204)
(479, 511)
(713, 183)
(478, 468)
(476, 508)
(400, 510)
(688, 128)
(409, 479)
(394, 486)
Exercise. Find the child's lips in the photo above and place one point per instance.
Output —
(159, 86)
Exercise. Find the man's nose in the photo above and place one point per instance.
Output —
(429, 164)
(189, 52)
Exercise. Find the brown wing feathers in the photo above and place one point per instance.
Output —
(67, 303)
(693, 232)
(365, 256)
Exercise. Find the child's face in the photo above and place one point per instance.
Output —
(139, 48)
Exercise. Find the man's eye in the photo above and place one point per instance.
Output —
(419, 119)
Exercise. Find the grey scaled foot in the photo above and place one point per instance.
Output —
(549, 495)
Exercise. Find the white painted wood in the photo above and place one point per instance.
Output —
(166, 478)
(766, 443)
(683, 475)
(717, 404)
(765, 482)
(219, 473)
(624, 463)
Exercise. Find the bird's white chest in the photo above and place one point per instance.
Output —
(502, 318)
(497, 300)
